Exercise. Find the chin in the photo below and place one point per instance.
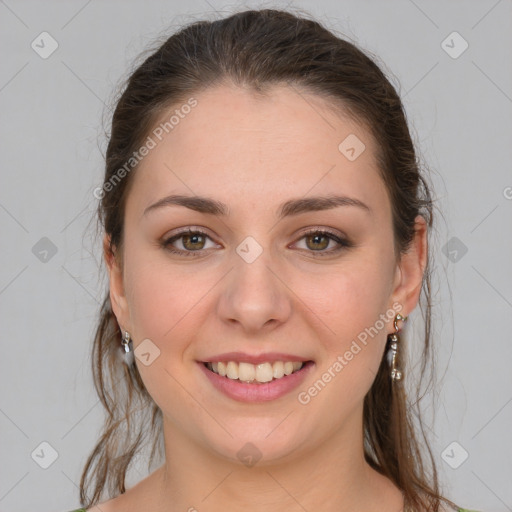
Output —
(259, 442)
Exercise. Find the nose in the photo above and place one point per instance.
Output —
(254, 296)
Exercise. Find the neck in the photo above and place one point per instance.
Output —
(331, 475)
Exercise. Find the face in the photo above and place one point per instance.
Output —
(273, 278)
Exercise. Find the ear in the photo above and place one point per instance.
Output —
(117, 295)
(410, 269)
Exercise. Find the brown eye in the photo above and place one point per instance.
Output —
(317, 241)
(193, 243)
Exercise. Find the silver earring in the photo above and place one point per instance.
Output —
(396, 373)
(127, 349)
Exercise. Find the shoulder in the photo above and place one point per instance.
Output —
(123, 503)
(93, 509)
(447, 508)
(460, 509)
(105, 507)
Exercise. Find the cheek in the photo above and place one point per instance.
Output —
(162, 311)
(154, 307)
(358, 295)
(161, 297)
(357, 310)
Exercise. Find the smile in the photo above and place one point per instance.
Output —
(260, 382)
(254, 373)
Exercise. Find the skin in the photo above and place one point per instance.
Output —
(254, 153)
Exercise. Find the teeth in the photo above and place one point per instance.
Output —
(264, 372)
(232, 370)
(288, 368)
(278, 368)
(247, 372)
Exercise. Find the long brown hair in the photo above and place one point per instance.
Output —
(256, 49)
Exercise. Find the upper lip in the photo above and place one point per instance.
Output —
(241, 357)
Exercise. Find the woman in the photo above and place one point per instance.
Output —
(265, 234)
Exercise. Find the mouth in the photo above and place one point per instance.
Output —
(256, 374)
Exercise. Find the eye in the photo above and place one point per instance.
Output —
(192, 241)
(317, 240)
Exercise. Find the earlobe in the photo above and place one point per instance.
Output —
(411, 269)
(116, 282)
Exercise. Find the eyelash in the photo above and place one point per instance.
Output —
(344, 244)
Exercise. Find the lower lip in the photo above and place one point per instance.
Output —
(244, 392)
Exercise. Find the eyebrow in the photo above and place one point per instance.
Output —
(287, 209)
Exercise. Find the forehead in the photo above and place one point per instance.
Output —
(242, 147)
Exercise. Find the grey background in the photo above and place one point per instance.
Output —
(460, 110)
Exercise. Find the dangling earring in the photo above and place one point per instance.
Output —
(127, 350)
(396, 373)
